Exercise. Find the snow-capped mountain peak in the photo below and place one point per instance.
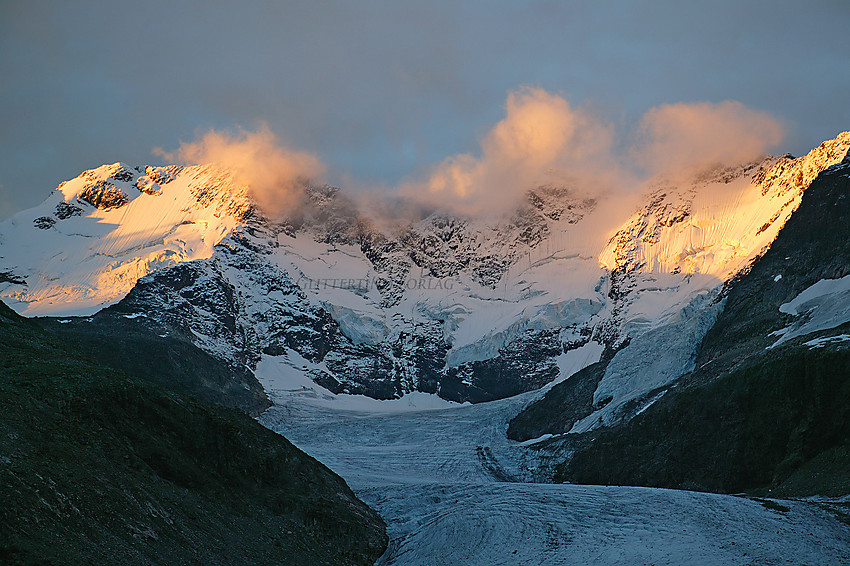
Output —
(97, 234)
(458, 306)
(722, 221)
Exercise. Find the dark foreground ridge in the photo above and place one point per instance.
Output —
(749, 418)
(97, 467)
(161, 355)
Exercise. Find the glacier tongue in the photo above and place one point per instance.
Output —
(653, 359)
(454, 490)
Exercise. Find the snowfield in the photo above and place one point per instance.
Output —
(454, 490)
(96, 235)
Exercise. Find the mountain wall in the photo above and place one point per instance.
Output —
(470, 309)
(765, 405)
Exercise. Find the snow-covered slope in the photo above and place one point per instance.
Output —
(823, 306)
(467, 308)
(96, 235)
(671, 259)
(763, 407)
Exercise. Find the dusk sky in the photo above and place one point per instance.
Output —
(382, 91)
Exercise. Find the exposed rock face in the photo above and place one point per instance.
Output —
(554, 202)
(65, 210)
(155, 177)
(44, 222)
(101, 194)
(756, 411)
(469, 309)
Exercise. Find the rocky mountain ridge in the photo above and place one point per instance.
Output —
(101, 467)
(465, 309)
(764, 407)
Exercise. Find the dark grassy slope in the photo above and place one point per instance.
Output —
(144, 349)
(96, 468)
(750, 418)
(758, 427)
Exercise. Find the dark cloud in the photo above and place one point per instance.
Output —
(383, 90)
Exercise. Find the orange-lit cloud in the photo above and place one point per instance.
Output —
(683, 137)
(541, 139)
(273, 172)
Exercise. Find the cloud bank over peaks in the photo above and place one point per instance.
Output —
(274, 173)
(542, 140)
(545, 140)
(683, 138)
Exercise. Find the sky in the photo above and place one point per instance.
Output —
(397, 96)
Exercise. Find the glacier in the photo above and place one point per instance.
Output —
(454, 490)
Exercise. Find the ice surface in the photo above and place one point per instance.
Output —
(654, 358)
(547, 316)
(807, 300)
(358, 326)
(821, 342)
(574, 360)
(443, 482)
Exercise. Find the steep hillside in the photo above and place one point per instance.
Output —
(99, 468)
(142, 348)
